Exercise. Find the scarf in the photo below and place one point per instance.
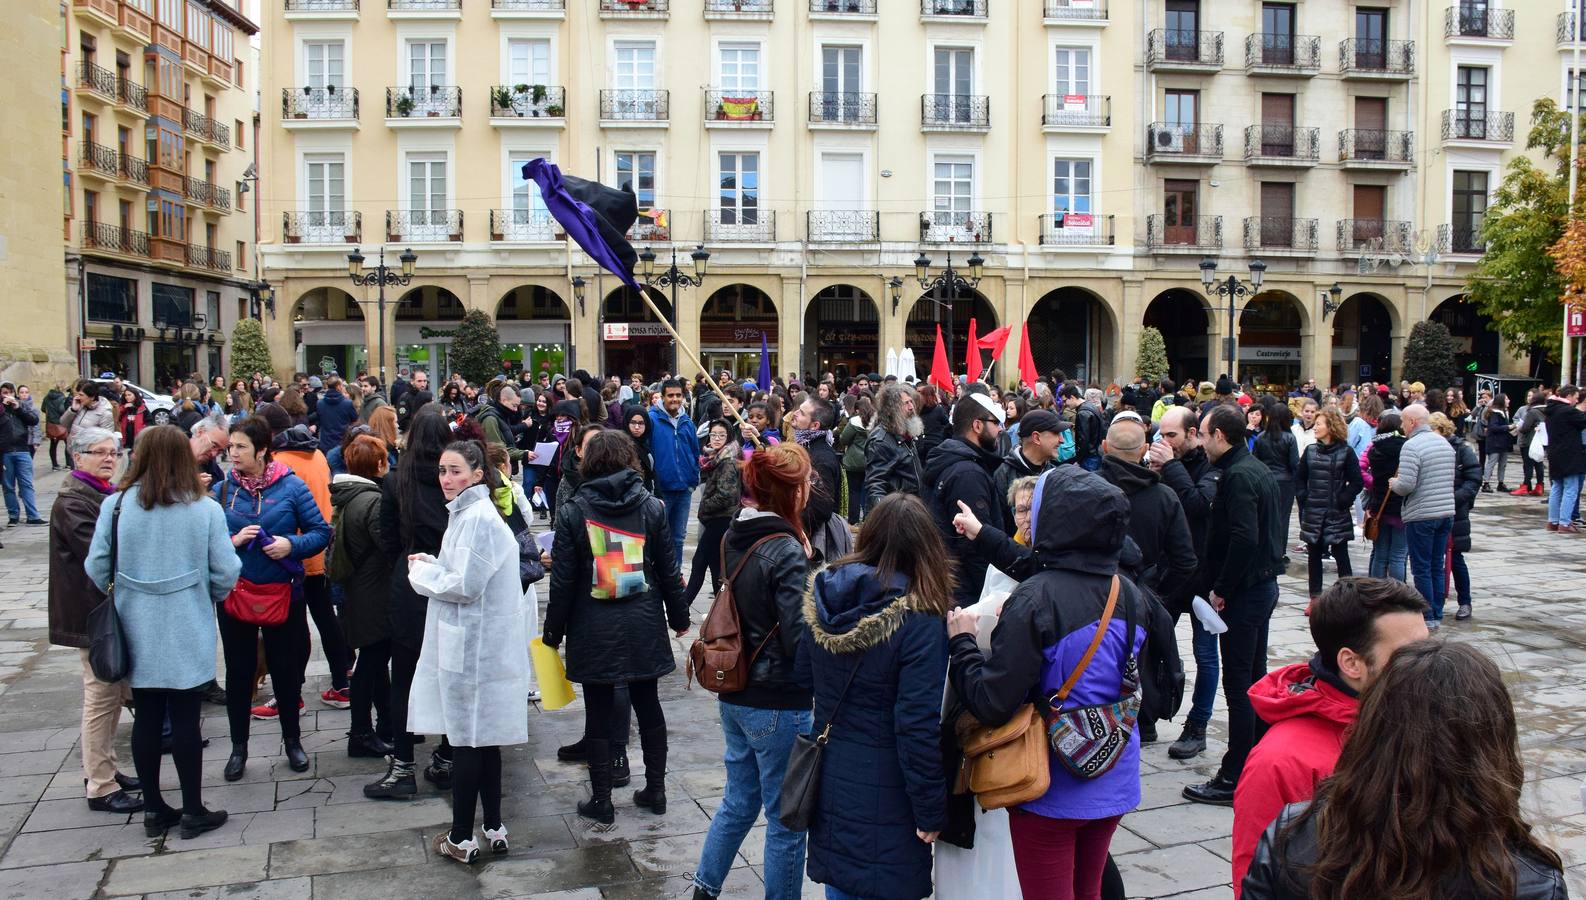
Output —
(94, 481)
(805, 436)
(256, 484)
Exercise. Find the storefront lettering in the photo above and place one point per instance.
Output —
(1270, 354)
(427, 332)
(842, 337)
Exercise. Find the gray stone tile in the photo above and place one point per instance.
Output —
(346, 853)
(51, 815)
(102, 842)
(284, 889)
(353, 818)
(1185, 823)
(187, 868)
(601, 865)
(76, 879)
(39, 762)
(23, 788)
(1173, 870)
(439, 878)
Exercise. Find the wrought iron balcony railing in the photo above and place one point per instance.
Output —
(134, 168)
(1566, 32)
(131, 93)
(322, 227)
(1083, 10)
(1478, 20)
(1376, 57)
(1076, 110)
(730, 9)
(839, 226)
(652, 225)
(205, 128)
(1291, 53)
(103, 236)
(1477, 125)
(843, 7)
(638, 8)
(321, 5)
(424, 225)
(319, 103)
(542, 6)
(208, 258)
(1373, 235)
(750, 224)
(198, 190)
(1071, 229)
(98, 158)
(1171, 48)
(528, 101)
(628, 105)
(947, 226)
(424, 101)
(1371, 145)
(842, 108)
(955, 112)
(1280, 233)
(1282, 143)
(1465, 238)
(1192, 233)
(523, 225)
(740, 106)
(98, 79)
(423, 5)
(968, 9)
(1168, 141)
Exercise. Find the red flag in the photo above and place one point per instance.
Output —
(941, 374)
(972, 354)
(996, 340)
(1026, 358)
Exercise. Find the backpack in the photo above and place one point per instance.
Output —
(717, 658)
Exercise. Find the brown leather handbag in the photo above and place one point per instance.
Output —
(1007, 765)
(1373, 525)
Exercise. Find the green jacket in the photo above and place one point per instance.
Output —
(55, 404)
(851, 441)
(497, 431)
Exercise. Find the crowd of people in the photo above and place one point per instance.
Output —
(1033, 551)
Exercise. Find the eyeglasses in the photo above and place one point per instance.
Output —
(99, 453)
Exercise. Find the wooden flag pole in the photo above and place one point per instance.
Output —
(694, 358)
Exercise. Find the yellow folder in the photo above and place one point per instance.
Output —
(555, 690)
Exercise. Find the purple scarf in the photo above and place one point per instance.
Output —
(95, 482)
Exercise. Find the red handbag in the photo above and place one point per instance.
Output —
(259, 604)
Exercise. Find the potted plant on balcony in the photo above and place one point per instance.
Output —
(501, 102)
(404, 104)
(721, 111)
(555, 111)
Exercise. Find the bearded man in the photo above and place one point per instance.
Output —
(892, 461)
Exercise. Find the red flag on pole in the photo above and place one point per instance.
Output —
(941, 374)
(1026, 358)
(972, 364)
(996, 340)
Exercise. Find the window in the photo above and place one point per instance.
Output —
(1182, 20)
(426, 75)
(241, 195)
(635, 66)
(242, 308)
(841, 84)
(124, 214)
(427, 200)
(1179, 206)
(739, 69)
(210, 231)
(89, 121)
(1470, 208)
(1573, 89)
(1071, 71)
(112, 299)
(953, 80)
(1470, 103)
(212, 306)
(1277, 34)
(527, 219)
(241, 257)
(1180, 115)
(952, 196)
(1371, 38)
(91, 207)
(1277, 214)
(636, 173)
(209, 171)
(528, 62)
(740, 189)
(197, 25)
(173, 306)
(1071, 185)
(237, 77)
(324, 63)
(326, 193)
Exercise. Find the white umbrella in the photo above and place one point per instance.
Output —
(892, 362)
(906, 366)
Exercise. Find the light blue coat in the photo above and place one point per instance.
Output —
(176, 563)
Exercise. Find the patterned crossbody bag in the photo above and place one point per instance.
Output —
(1089, 740)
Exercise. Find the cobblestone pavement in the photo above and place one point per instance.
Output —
(294, 836)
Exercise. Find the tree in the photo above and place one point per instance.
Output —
(1518, 283)
(476, 348)
(1152, 361)
(249, 352)
(1429, 356)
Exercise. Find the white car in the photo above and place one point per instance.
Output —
(161, 407)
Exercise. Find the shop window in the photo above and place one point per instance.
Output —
(112, 299)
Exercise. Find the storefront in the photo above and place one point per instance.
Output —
(535, 345)
(842, 333)
(1269, 344)
(329, 347)
(643, 347)
(846, 351)
(1271, 370)
(736, 347)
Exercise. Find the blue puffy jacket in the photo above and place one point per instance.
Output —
(285, 509)
(334, 413)
(675, 450)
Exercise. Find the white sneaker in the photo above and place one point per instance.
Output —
(465, 853)
(497, 838)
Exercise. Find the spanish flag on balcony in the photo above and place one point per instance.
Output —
(657, 216)
(740, 107)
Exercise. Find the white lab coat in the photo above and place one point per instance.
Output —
(472, 680)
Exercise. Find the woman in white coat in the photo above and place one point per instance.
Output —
(473, 670)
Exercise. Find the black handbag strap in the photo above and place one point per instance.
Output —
(839, 704)
(115, 531)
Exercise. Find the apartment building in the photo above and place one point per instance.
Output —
(156, 127)
(1074, 161)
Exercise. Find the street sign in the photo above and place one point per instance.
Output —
(87, 345)
(1577, 323)
(616, 331)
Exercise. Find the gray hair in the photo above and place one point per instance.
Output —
(211, 422)
(1093, 395)
(508, 388)
(84, 439)
(1019, 485)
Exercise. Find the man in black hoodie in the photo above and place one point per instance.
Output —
(959, 475)
(1040, 434)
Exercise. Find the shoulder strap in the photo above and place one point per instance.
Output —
(115, 531)
(839, 704)
(1095, 644)
(747, 553)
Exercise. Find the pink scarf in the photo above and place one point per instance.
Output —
(256, 484)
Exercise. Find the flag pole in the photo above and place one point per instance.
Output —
(1574, 168)
(693, 357)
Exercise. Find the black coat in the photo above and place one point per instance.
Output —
(1014, 466)
(406, 531)
(961, 473)
(938, 428)
(1089, 429)
(1565, 455)
(1327, 484)
(769, 594)
(366, 591)
(1498, 438)
(892, 464)
(1382, 458)
(1194, 479)
(1157, 525)
(1245, 544)
(1280, 452)
(611, 640)
(1467, 484)
(823, 499)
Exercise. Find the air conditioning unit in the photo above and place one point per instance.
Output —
(1167, 140)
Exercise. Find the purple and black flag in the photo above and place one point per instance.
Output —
(596, 217)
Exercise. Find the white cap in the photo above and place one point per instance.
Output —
(996, 412)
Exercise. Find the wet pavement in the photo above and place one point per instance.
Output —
(294, 836)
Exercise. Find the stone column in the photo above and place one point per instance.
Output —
(790, 337)
(891, 325)
(1125, 352)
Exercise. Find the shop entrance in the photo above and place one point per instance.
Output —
(1473, 330)
(420, 344)
(1362, 341)
(919, 332)
(1269, 343)
(535, 326)
(847, 331)
(329, 334)
(1071, 330)
(633, 340)
(1181, 317)
(731, 324)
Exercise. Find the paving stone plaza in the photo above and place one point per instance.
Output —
(313, 835)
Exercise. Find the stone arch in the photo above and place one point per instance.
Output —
(926, 313)
(842, 329)
(646, 348)
(328, 334)
(535, 325)
(1472, 328)
(1073, 329)
(1363, 327)
(531, 302)
(429, 303)
(1182, 317)
(1270, 344)
(731, 322)
(323, 304)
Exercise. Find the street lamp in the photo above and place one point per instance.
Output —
(949, 281)
(896, 287)
(1330, 302)
(380, 277)
(578, 292)
(1233, 289)
(261, 298)
(674, 278)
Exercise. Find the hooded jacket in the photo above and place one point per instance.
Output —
(1308, 709)
(615, 616)
(1565, 455)
(769, 595)
(1013, 467)
(98, 414)
(1089, 429)
(360, 561)
(1326, 487)
(334, 412)
(1467, 485)
(493, 421)
(960, 472)
(675, 450)
(371, 403)
(938, 428)
(1280, 452)
(881, 773)
(1244, 546)
(298, 451)
(851, 440)
(892, 463)
(1157, 525)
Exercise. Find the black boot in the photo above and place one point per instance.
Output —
(396, 784)
(653, 797)
(1191, 743)
(368, 745)
(621, 774)
(598, 806)
(237, 762)
(574, 752)
(296, 759)
(439, 771)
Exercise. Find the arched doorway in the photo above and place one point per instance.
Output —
(1070, 329)
(426, 320)
(846, 327)
(633, 338)
(730, 327)
(328, 333)
(919, 332)
(1362, 341)
(1478, 341)
(1181, 317)
(1269, 343)
(535, 326)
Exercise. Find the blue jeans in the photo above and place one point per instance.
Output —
(1206, 670)
(758, 744)
(1428, 544)
(1388, 553)
(677, 503)
(1562, 497)
(16, 477)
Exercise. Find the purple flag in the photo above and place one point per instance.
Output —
(765, 365)
(596, 217)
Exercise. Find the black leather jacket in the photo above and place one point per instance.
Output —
(891, 464)
(1281, 874)
(770, 592)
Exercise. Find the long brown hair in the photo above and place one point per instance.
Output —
(1427, 788)
(775, 478)
(383, 424)
(163, 469)
(900, 537)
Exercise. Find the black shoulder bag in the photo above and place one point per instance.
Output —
(107, 642)
(802, 784)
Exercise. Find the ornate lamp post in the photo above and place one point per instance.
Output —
(951, 282)
(673, 277)
(261, 298)
(1233, 289)
(1330, 301)
(381, 276)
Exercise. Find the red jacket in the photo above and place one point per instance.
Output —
(1309, 718)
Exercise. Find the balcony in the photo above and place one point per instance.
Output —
(652, 225)
(524, 226)
(207, 193)
(740, 225)
(946, 226)
(842, 9)
(1461, 239)
(1364, 148)
(633, 9)
(739, 109)
(842, 111)
(1075, 12)
(424, 9)
(206, 129)
(843, 226)
(326, 107)
(97, 79)
(114, 238)
(1565, 32)
(1481, 24)
(134, 23)
(1076, 112)
(528, 9)
(219, 74)
(1282, 146)
(1376, 60)
(1374, 236)
(1281, 236)
(424, 225)
(98, 160)
(1071, 229)
(955, 112)
(102, 10)
(322, 227)
(953, 10)
(1294, 55)
(761, 10)
(208, 258)
(1187, 144)
(1170, 50)
(132, 95)
(1199, 234)
(528, 105)
(320, 10)
(1478, 127)
(419, 106)
(634, 109)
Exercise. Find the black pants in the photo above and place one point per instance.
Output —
(283, 654)
(476, 776)
(1532, 469)
(856, 495)
(1317, 552)
(317, 589)
(600, 700)
(56, 442)
(707, 555)
(1244, 650)
(371, 689)
(1286, 508)
(187, 745)
(404, 661)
